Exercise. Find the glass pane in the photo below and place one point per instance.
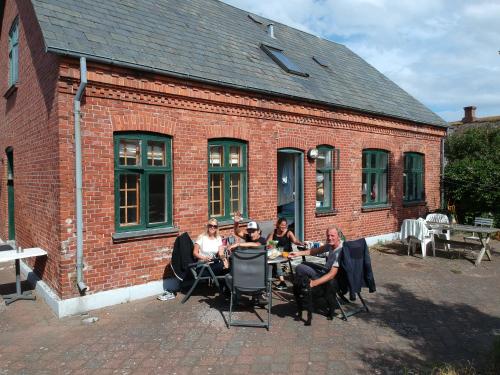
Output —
(216, 156)
(235, 156)
(156, 154)
(364, 188)
(373, 187)
(157, 198)
(235, 191)
(323, 189)
(382, 160)
(216, 194)
(129, 199)
(383, 188)
(130, 152)
(364, 162)
(419, 161)
(372, 160)
(324, 159)
(411, 187)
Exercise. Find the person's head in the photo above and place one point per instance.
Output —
(212, 228)
(282, 224)
(253, 230)
(333, 236)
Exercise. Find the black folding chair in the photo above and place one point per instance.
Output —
(249, 276)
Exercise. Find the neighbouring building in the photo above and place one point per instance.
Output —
(186, 110)
(470, 121)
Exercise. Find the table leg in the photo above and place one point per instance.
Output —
(485, 248)
(9, 298)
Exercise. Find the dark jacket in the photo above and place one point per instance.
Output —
(356, 268)
(182, 255)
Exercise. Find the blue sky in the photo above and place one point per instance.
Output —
(443, 52)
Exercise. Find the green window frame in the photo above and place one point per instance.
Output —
(143, 181)
(375, 178)
(14, 53)
(324, 178)
(227, 178)
(413, 177)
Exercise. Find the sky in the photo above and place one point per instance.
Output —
(445, 53)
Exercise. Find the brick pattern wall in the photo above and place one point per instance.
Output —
(121, 100)
(37, 121)
(28, 124)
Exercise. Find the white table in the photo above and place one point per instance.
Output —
(9, 255)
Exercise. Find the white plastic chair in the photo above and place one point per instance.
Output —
(440, 233)
(414, 232)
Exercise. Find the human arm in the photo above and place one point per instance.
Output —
(314, 251)
(240, 232)
(294, 239)
(325, 278)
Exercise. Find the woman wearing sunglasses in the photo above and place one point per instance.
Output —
(208, 248)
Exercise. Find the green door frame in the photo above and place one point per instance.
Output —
(299, 190)
(10, 192)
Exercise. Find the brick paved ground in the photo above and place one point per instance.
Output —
(424, 312)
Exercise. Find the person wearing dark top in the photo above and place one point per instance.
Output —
(251, 236)
(285, 238)
(316, 273)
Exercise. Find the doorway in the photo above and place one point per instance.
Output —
(10, 193)
(290, 180)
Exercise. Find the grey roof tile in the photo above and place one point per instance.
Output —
(215, 42)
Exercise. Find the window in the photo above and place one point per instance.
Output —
(143, 181)
(14, 53)
(324, 169)
(227, 178)
(413, 177)
(283, 61)
(374, 183)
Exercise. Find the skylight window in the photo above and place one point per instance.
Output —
(320, 61)
(283, 61)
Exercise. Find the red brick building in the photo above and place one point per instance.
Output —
(191, 110)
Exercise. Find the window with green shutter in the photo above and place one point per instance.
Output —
(374, 180)
(227, 178)
(14, 53)
(143, 181)
(324, 175)
(413, 177)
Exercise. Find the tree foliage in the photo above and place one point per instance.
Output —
(472, 175)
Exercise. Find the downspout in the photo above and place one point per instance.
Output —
(78, 179)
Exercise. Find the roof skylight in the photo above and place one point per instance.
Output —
(283, 61)
(320, 61)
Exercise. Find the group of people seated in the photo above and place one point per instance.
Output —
(209, 247)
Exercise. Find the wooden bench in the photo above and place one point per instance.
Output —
(479, 222)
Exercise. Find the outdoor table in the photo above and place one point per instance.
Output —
(484, 234)
(9, 255)
(278, 260)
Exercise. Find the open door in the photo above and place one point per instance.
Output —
(290, 180)
(10, 192)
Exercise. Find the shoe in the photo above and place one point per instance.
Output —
(282, 286)
(166, 296)
(260, 301)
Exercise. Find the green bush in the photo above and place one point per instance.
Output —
(472, 174)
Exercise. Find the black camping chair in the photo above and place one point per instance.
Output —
(249, 276)
(185, 265)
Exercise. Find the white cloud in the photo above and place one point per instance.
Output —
(443, 52)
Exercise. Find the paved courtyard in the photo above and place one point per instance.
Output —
(425, 311)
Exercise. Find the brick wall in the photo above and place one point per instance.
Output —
(121, 100)
(37, 121)
(28, 124)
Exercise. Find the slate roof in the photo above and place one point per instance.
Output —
(210, 41)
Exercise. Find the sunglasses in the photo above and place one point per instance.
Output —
(212, 226)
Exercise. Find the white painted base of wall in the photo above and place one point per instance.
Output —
(78, 305)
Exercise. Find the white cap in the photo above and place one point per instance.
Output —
(252, 225)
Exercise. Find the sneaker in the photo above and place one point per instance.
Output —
(282, 286)
(260, 301)
(166, 296)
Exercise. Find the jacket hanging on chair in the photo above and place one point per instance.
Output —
(182, 256)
